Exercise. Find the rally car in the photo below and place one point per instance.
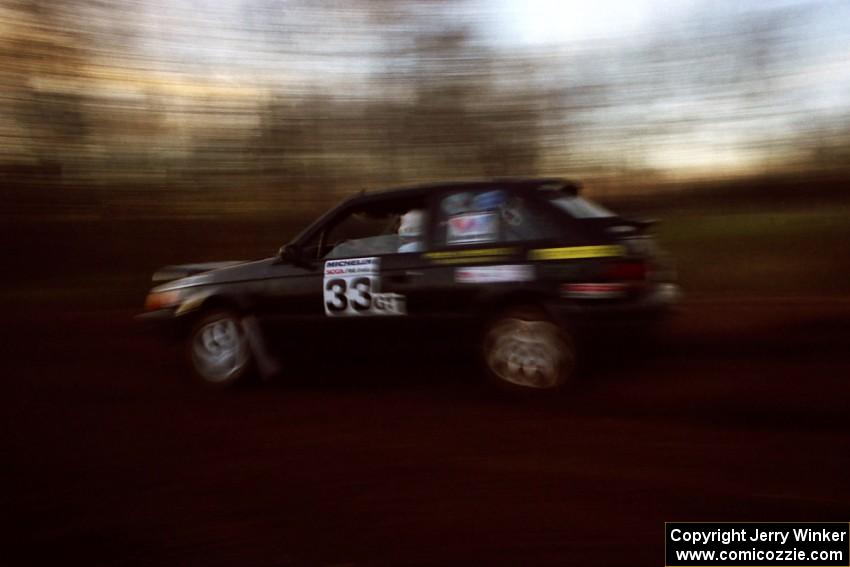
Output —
(524, 262)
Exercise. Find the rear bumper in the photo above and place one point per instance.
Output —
(655, 304)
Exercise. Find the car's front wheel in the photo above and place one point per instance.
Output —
(218, 350)
(524, 350)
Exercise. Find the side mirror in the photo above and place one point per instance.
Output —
(291, 254)
(286, 253)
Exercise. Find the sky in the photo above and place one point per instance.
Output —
(679, 93)
(809, 79)
(542, 22)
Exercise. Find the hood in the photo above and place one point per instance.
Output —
(186, 275)
(177, 271)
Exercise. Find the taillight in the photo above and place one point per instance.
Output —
(626, 271)
(594, 290)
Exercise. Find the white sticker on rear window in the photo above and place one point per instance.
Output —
(470, 228)
(495, 274)
(353, 287)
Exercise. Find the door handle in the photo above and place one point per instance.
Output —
(406, 276)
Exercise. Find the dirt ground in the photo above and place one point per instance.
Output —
(740, 411)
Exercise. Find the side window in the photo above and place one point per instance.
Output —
(374, 231)
(362, 234)
(472, 217)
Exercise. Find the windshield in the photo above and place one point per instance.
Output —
(582, 208)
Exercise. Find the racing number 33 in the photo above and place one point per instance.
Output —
(339, 294)
(352, 287)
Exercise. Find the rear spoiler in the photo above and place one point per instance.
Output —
(643, 224)
(626, 227)
(564, 186)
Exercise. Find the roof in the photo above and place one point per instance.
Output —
(413, 191)
(416, 191)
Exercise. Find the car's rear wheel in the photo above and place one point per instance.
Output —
(524, 350)
(218, 350)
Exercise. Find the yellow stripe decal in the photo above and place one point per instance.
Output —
(576, 252)
(476, 255)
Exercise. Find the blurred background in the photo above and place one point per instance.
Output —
(143, 132)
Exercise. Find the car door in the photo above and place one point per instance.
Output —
(329, 276)
(411, 275)
(383, 278)
(415, 281)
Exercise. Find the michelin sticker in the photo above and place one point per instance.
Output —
(352, 287)
(495, 274)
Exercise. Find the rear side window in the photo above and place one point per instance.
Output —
(491, 216)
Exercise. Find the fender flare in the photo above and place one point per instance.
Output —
(492, 303)
(204, 299)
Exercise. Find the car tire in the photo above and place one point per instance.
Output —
(218, 351)
(523, 350)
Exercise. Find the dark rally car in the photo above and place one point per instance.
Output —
(524, 262)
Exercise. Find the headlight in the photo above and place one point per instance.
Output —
(162, 299)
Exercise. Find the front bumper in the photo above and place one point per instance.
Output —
(164, 322)
(160, 316)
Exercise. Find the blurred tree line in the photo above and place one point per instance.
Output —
(106, 111)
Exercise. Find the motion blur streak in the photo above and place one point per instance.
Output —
(265, 101)
(266, 109)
